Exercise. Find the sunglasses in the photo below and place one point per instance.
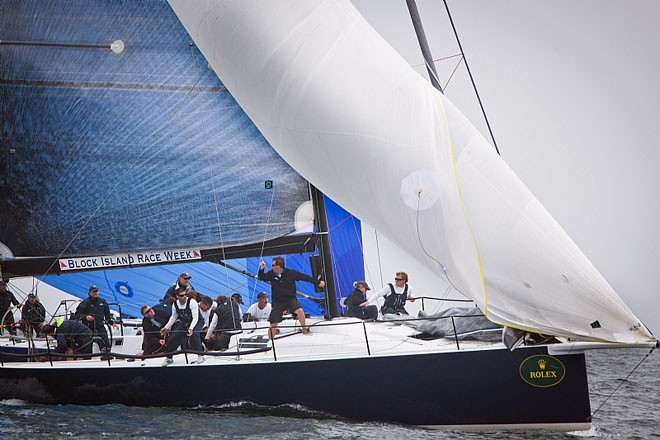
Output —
(181, 295)
(399, 279)
(148, 311)
(186, 278)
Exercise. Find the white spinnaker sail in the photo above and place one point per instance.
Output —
(347, 112)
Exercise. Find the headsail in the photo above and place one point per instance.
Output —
(344, 109)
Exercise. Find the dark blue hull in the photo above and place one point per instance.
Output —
(466, 388)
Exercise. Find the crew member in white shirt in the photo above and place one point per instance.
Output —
(260, 311)
(395, 295)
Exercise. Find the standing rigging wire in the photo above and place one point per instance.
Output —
(625, 379)
(177, 107)
(474, 85)
(453, 72)
(380, 261)
(210, 168)
(263, 242)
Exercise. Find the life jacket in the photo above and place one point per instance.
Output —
(395, 300)
(184, 315)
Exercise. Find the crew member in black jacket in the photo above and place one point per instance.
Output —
(152, 322)
(7, 299)
(34, 314)
(72, 336)
(354, 309)
(94, 312)
(225, 322)
(283, 291)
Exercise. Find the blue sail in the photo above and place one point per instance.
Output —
(117, 137)
(144, 149)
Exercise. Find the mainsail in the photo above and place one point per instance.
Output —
(118, 137)
(346, 111)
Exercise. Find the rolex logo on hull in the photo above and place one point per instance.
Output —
(542, 371)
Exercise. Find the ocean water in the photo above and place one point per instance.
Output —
(624, 408)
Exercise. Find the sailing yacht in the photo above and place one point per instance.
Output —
(339, 106)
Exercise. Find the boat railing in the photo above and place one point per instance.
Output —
(64, 304)
(243, 346)
(121, 320)
(399, 320)
(50, 355)
(432, 298)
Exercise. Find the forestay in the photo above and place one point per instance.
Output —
(347, 112)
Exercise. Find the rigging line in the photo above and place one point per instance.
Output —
(453, 72)
(380, 263)
(474, 85)
(114, 188)
(421, 244)
(621, 382)
(438, 59)
(263, 241)
(216, 203)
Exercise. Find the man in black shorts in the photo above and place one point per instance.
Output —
(283, 289)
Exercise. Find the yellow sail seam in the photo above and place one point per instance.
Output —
(460, 197)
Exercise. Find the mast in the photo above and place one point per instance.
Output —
(321, 221)
(430, 65)
(423, 44)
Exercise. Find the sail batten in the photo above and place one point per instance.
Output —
(346, 111)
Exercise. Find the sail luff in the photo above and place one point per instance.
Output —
(344, 109)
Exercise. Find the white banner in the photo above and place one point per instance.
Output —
(132, 259)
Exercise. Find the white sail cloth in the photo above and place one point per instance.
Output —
(347, 112)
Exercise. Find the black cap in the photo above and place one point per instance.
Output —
(185, 275)
(239, 298)
(31, 295)
(92, 288)
(363, 284)
(262, 295)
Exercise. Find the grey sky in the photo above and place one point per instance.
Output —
(570, 88)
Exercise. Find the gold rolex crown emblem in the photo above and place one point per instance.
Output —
(542, 363)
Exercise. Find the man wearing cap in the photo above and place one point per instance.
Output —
(238, 299)
(283, 291)
(184, 326)
(259, 311)
(182, 282)
(33, 315)
(395, 295)
(7, 301)
(354, 309)
(94, 312)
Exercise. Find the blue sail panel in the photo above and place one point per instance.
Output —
(105, 152)
(346, 245)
